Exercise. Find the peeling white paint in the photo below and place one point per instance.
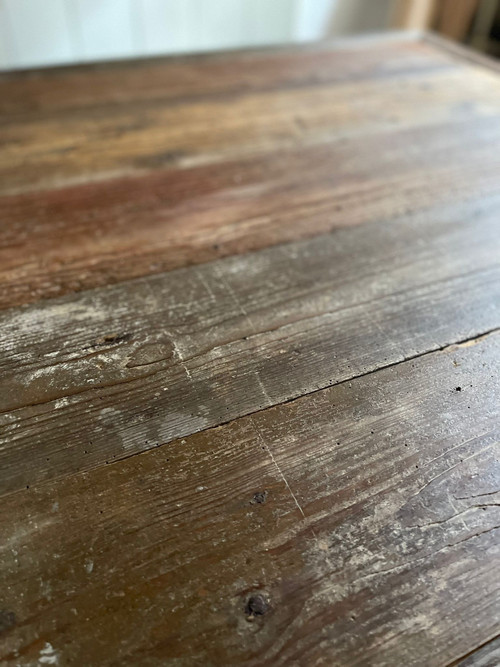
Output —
(48, 655)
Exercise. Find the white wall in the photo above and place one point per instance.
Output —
(49, 32)
(354, 16)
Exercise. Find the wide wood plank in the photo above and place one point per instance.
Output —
(44, 152)
(358, 525)
(183, 78)
(89, 379)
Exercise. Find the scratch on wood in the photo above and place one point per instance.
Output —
(433, 479)
(267, 448)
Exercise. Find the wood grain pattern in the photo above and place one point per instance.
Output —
(368, 525)
(126, 228)
(111, 372)
(161, 164)
(180, 79)
(486, 656)
(249, 360)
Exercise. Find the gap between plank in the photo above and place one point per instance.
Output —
(458, 661)
(464, 342)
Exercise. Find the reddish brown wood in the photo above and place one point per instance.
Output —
(124, 170)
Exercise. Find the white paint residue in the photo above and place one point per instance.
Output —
(48, 655)
(108, 411)
(21, 533)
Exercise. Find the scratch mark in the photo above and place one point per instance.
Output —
(426, 557)
(255, 332)
(454, 516)
(264, 390)
(475, 437)
(205, 284)
(180, 359)
(457, 512)
(481, 451)
(264, 444)
(234, 296)
(478, 495)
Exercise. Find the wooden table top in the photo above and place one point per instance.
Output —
(249, 351)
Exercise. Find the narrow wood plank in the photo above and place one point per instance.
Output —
(57, 150)
(177, 79)
(90, 379)
(487, 655)
(358, 526)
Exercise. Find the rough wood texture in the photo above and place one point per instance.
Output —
(210, 157)
(368, 525)
(288, 455)
(486, 656)
(109, 373)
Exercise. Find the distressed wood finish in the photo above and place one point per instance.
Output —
(486, 656)
(249, 360)
(193, 159)
(89, 379)
(368, 525)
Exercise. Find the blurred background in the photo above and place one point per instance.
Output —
(35, 33)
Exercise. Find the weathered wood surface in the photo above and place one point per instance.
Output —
(118, 139)
(368, 525)
(486, 656)
(106, 374)
(126, 170)
(286, 433)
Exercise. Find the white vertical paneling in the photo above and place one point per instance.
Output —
(107, 28)
(166, 25)
(45, 32)
(218, 24)
(5, 51)
(38, 32)
(200, 25)
(312, 19)
(268, 21)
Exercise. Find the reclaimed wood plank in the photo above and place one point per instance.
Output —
(181, 78)
(295, 136)
(62, 241)
(52, 151)
(358, 525)
(97, 377)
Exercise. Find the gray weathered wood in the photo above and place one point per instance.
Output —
(486, 656)
(119, 370)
